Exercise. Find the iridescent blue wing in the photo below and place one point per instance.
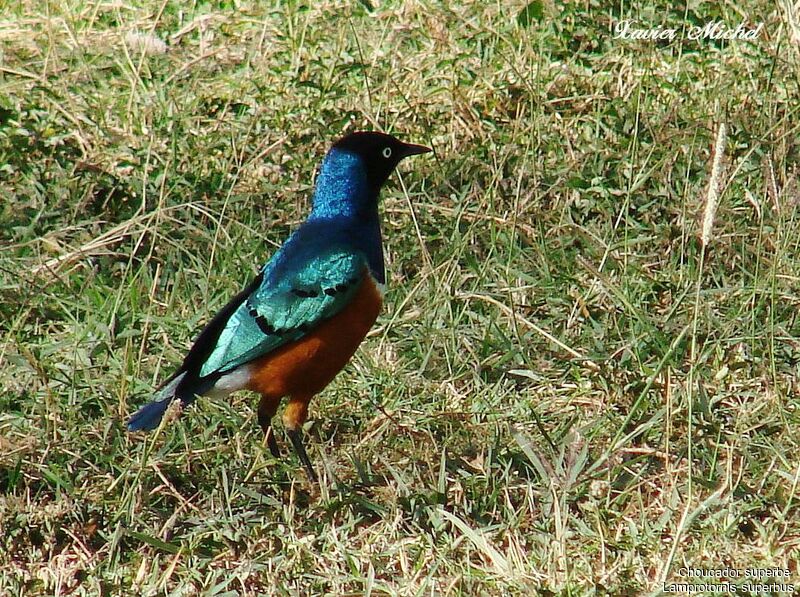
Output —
(285, 307)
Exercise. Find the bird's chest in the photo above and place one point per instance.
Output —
(306, 366)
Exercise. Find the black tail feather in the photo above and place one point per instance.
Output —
(149, 416)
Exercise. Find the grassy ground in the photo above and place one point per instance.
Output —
(566, 394)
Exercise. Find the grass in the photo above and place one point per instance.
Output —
(567, 393)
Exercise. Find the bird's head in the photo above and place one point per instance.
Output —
(378, 153)
(356, 168)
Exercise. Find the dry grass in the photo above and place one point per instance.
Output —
(570, 391)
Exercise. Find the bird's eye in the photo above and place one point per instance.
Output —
(387, 152)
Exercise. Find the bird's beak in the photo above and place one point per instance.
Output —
(411, 149)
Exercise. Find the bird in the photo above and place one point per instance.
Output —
(296, 325)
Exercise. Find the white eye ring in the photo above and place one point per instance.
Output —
(387, 152)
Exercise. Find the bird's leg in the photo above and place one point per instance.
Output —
(266, 410)
(297, 442)
(293, 418)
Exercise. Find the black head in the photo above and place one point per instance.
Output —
(379, 152)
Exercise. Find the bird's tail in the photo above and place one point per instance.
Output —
(149, 416)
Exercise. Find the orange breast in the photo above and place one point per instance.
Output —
(305, 367)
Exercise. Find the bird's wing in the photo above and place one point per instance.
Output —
(285, 308)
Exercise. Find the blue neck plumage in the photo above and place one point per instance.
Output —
(344, 198)
(342, 189)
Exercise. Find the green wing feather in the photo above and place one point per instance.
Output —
(286, 306)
